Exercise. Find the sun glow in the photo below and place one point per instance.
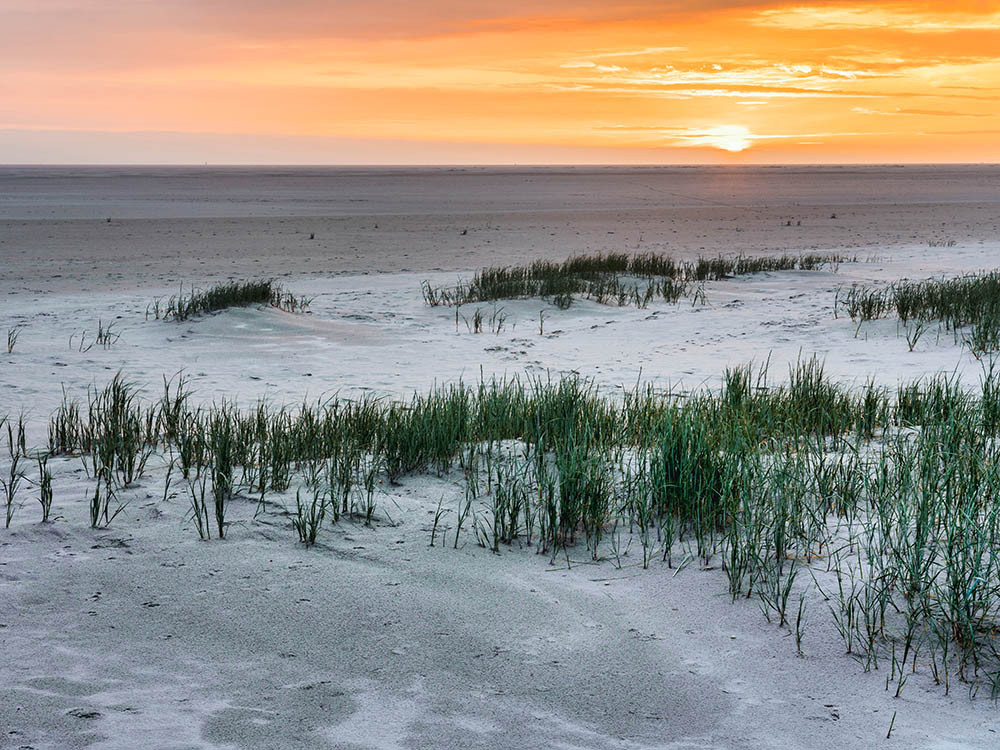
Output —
(733, 138)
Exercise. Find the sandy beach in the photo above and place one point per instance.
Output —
(143, 633)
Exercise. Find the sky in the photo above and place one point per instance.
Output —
(453, 82)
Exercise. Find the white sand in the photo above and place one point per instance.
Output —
(141, 634)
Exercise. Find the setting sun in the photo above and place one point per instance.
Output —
(732, 138)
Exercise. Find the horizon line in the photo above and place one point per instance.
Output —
(491, 165)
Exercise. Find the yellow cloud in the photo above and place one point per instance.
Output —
(868, 17)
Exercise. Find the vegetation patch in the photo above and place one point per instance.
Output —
(968, 306)
(184, 305)
(885, 500)
(618, 278)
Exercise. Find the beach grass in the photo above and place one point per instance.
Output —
(12, 478)
(12, 336)
(105, 336)
(194, 302)
(968, 306)
(883, 500)
(613, 278)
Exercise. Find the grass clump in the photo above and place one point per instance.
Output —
(105, 336)
(12, 336)
(612, 278)
(184, 305)
(10, 480)
(44, 486)
(968, 304)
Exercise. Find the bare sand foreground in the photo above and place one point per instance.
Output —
(140, 634)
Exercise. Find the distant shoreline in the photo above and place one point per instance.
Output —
(502, 166)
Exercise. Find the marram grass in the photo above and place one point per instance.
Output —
(613, 278)
(891, 494)
(968, 306)
(184, 305)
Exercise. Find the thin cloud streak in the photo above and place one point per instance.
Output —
(885, 18)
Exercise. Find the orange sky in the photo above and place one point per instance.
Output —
(379, 81)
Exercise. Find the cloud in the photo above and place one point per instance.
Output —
(715, 79)
(887, 17)
(303, 19)
(729, 137)
(920, 112)
(285, 20)
(639, 52)
(135, 147)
